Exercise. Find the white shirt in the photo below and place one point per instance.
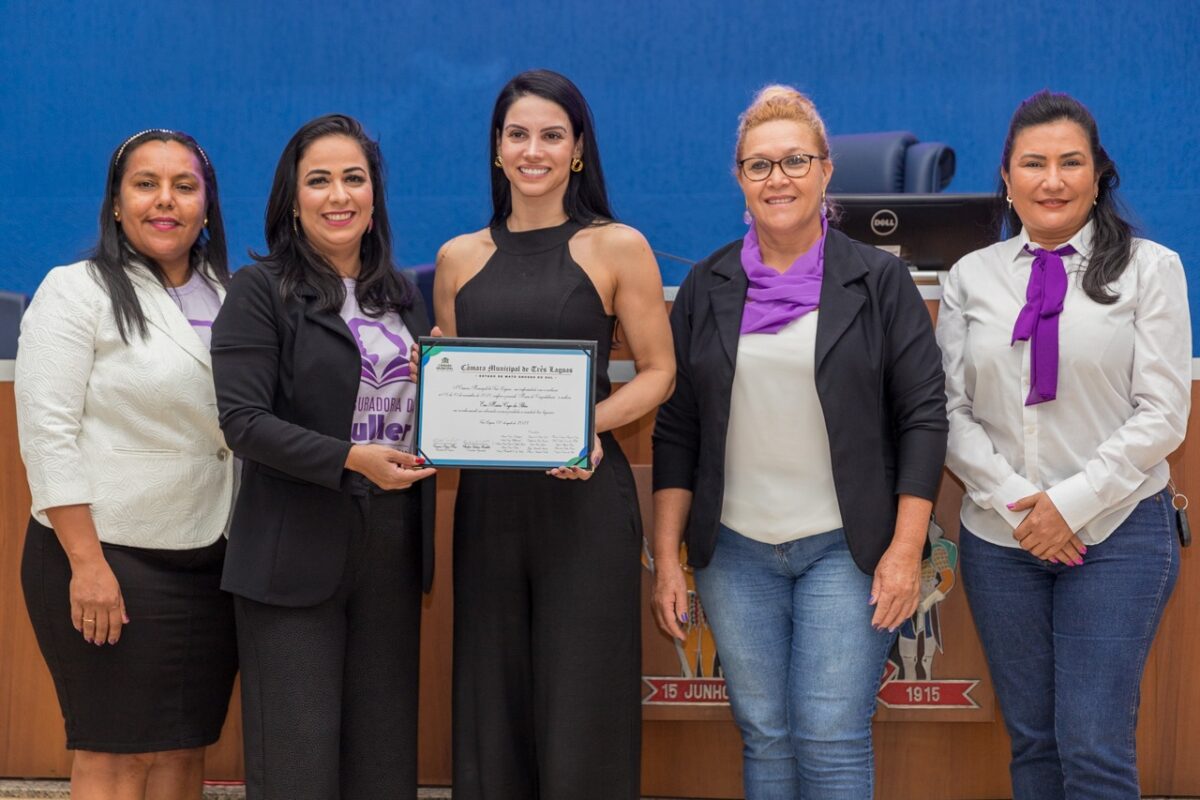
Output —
(778, 473)
(1124, 389)
(385, 409)
(129, 429)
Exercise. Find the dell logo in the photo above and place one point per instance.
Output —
(884, 222)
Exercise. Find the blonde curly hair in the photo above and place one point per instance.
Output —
(776, 102)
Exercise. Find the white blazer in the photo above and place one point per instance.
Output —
(129, 429)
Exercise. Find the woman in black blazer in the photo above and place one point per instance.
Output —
(330, 543)
(798, 458)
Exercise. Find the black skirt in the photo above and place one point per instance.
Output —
(166, 684)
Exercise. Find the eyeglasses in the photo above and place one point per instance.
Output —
(796, 165)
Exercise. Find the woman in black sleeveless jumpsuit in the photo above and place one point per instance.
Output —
(547, 637)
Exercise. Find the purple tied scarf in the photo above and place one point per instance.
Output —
(774, 298)
(1038, 321)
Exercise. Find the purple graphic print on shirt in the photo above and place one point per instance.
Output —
(373, 339)
(386, 402)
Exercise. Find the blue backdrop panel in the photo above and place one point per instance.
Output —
(666, 81)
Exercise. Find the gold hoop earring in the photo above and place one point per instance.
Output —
(498, 162)
(577, 164)
(295, 227)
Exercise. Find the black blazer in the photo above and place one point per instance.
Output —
(287, 378)
(879, 379)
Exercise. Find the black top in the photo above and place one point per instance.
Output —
(287, 377)
(531, 288)
(878, 375)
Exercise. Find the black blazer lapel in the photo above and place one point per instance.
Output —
(839, 304)
(326, 319)
(727, 296)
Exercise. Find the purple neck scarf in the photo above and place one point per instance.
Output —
(774, 298)
(1038, 321)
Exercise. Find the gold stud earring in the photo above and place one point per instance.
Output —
(577, 164)
(117, 214)
(498, 162)
(205, 223)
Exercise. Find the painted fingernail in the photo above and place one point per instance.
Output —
(1010, 506)
(125, 618)
(871, 600)
(86, 639)
(1083, 549)
(1079, 562)
(1053, 560)
(683, 617)
(420, 460)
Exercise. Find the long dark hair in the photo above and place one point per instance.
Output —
(112, 256)
(1112, 243)
(586, 199)
(379, 288)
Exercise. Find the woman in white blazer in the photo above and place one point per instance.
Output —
(131, 479)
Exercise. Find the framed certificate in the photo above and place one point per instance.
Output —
(506, 403)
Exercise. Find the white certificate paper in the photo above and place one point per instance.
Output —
(506, 403)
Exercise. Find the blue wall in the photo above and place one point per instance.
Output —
(666, 80)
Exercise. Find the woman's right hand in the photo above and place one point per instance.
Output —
(387, 467)
(670, 601)
(97, 608)
(414, 356)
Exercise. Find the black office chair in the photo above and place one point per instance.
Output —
(12, 306)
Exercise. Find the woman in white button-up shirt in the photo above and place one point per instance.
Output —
(1067, 351)
(131, 480)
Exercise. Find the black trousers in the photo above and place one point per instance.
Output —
(547, 636)
(329, 692)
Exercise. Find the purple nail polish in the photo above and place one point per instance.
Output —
(871, 600)
(683, 617)
(1010, 506)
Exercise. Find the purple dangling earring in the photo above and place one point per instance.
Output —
(746, 218)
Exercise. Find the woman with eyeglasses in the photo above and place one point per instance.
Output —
(131, 479)
(547, 638)
(798, 458)
(1068, 358)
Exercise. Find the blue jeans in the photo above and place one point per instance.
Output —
(801, 660)
(1066, 647)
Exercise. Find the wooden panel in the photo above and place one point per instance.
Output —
(915, 760)
(32, 740)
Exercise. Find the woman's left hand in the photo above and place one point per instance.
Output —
(896, 587)
(1043, 532)
(579, 473)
